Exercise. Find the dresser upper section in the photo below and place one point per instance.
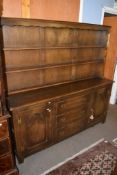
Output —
(41, 53)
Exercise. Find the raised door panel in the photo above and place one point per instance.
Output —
(34, 124)
(101, 101)
(98, 109)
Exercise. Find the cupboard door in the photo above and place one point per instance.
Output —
(98, 108)
(34, 125)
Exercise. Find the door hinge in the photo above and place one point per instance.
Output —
(19, 121)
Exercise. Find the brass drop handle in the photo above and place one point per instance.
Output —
(92, 114)
(49, 110)
(0, 124)
(91, 117)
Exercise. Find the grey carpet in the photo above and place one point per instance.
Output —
(45, 159)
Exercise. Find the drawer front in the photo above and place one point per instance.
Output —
(6, 163)
(4, 146)
(68, 117)
(70, 129)
(3, 129)
(71, 102)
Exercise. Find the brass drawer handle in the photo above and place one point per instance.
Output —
(0, 124)
(49, 110)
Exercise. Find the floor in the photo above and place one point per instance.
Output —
(43, 160)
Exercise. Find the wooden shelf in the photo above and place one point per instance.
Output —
(37, 67)
(32, 96)
(46, 48)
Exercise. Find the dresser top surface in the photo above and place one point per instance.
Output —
(48, 93)
(49, 23)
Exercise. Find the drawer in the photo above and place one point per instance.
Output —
(3, 129)
(71, 102)
(70, 129)
(6, 163)
(4, 147)
(70, 116)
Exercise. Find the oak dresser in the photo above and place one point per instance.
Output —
(53, 79)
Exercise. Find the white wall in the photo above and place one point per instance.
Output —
(91, 10)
